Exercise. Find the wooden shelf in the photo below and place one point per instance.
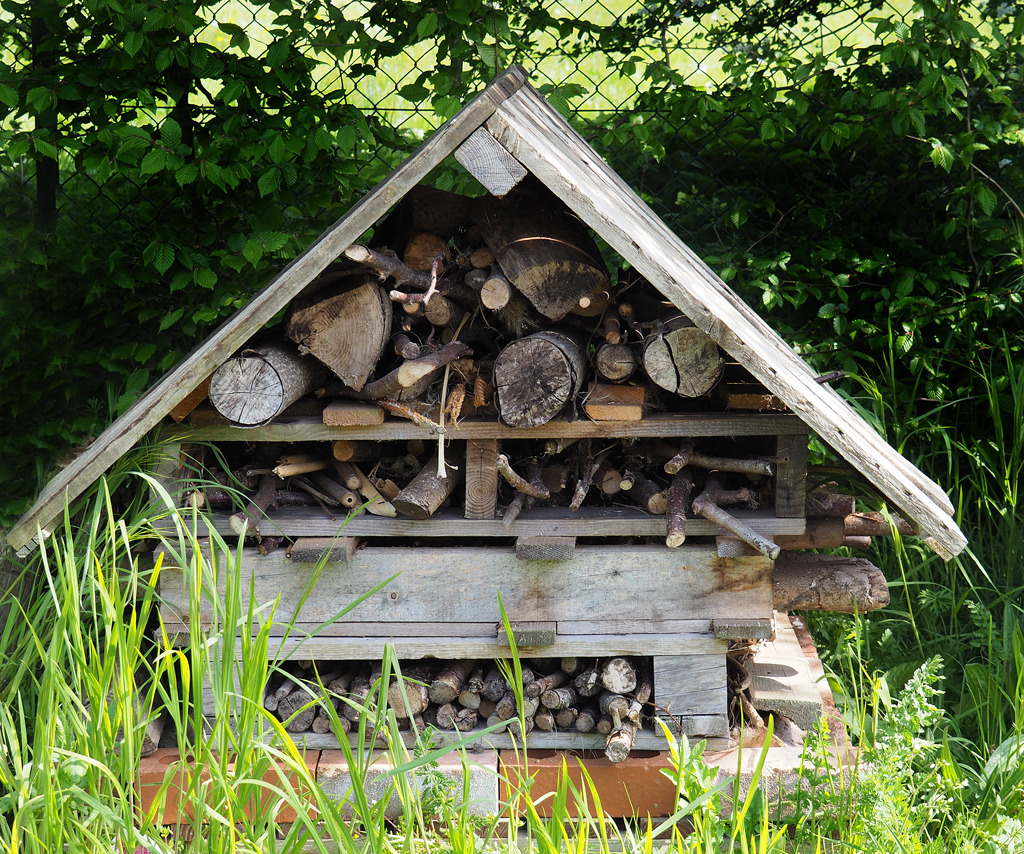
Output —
(713, 726)
(540, 521)
(684, 424)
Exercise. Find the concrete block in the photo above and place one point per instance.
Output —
(335, 778)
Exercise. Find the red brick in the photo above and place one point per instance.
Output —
(155, 768)
(632, 788)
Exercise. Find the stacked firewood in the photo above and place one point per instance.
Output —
(611, 697)
(475, 307)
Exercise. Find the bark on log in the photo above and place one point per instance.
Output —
(559, 698)
(494, 686)
(544, 720)
(683, 359)
(449, 681)
(620, 742)
(566, 718)
(414, 373)
(543, 249)
(704, 506)
(258, 384)
(648, 495)
(819, 533)
(586, 720)
(813, 582)
(875, 525)
(678, 498)
(347, 332)
(615, 362)
(618, 675)
(408, 695)
(426, 492)
(545, 683)
(615, 705)
(536, 376)
(297, 710)
(247, 523)
(587, 683)
(340, 493)
(824, 502)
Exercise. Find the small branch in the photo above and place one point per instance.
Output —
(519, 483)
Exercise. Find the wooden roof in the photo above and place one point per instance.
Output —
(509, 113)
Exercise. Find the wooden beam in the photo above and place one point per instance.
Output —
(545, 143)
(148, 410)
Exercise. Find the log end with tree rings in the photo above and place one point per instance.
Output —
(256, 386)
(536, 376)
(347, 331)
(683, 359)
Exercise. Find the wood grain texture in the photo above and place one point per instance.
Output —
(540, 139)
(780, 678)
(791, 475)
(151, 408)
(301, 428)
(490, 163)
(481, 479)
(537, 522)
(602, 583)
(688, 684)
(545, 548)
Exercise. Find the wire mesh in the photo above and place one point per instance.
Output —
(600, 47)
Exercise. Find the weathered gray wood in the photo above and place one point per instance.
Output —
(529, 633)
(780, 678)
(713, 726)
(328, 549)
(536, 376)
(151, 408)
(691, 424)
(545, 548)
(689, 684)
(490, 163)
(545, 143)
(451, 647)
(791, 475)
(538, 522)
(603, 583)
(742, 629)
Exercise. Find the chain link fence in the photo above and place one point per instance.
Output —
(609, 94)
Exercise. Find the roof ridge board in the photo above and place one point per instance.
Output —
(149, 409)
(565, 161)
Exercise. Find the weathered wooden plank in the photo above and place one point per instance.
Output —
(328, 549)
(689, 684)
(684, 424)
(700, 647)
(543, 142)
(481, 478)
(742, 629)
(791, 475)
(151, 408)
(780, 678)
(637, 624)
(529, 634)
(447, 585)
(490, 163)
(545, 548)
(537, 522)
(646, 739)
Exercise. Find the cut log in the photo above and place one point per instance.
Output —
(258, 384)
(813, 582)
(566, 718)
(543, 249)
(247, 523)
(875, 525)
(618, 675)
(408, 695)
(358, 693)
(339, 492)
(587, 682)
(676, 501)
(620, 742)
(411, 374)
(375, 502)
(824, 502)
(546, 683)
(648, 495)
(536, 376)
(496, 290)
(427, 492)
(347, 332)
(642, 695)
(683, 359)
(544, 720)
(533, 487)
(421, 250)
(559, 698)
(615, 705)
(448, 682)
(586, 720)
(615, 362)
(297, 710)
(605, 725)
(819, 533)
(494, 686)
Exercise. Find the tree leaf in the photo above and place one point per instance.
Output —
(170, 132)
(133, 42)
(186, 174)
(153, 162)
(269, 182)
(163, 257)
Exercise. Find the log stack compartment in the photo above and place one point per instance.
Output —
(594, 582)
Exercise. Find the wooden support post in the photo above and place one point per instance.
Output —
(791, 475)
(481, 478)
